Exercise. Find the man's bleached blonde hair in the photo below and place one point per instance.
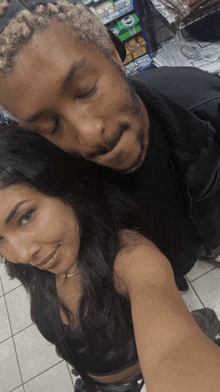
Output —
(26, 23)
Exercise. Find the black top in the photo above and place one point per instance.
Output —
(70, 342)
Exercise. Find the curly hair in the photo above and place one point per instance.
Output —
(27, 23)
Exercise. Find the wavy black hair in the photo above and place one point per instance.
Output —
(102, 212)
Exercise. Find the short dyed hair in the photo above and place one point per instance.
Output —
(26, 23)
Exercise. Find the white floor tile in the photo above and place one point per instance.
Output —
(19, 389)
(199, 269)
(8, 283)
(18, 304)
(56, 379)
(5, 330)
(191, 299)
(35, 354)
(2, 264)
(208, 289)
(9, 371)
(1, 288)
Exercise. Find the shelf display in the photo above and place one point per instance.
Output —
(185, 12)
(120, 17)
(109, 10)
(138, 65)
(127, 27)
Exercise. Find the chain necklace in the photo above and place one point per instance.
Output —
(69, 275)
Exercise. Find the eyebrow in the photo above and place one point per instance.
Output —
(71, 73)
(14, 211)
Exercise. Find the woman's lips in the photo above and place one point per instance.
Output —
(50, 260)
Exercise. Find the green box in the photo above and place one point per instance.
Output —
(127, 27)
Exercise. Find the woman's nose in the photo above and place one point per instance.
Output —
(22, 252)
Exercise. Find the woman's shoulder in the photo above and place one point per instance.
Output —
(139, 263)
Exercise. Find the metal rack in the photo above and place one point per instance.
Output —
(198, 15)
(157, 27)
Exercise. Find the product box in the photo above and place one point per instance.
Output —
(127, 27)
(135, 47)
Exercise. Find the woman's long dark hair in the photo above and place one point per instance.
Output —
(102, 212)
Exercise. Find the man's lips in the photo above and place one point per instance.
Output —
(49, 259)
(105, 150)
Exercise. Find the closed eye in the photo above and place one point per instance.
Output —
(87, 94)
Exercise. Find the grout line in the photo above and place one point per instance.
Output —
(23, 329)
(44, 371)
(14, 288)
(5, 340)
(19, 386)
(13, 341)
(197, 295)
(205, 273)
(1, 287)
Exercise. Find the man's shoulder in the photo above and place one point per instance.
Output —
(190, 87)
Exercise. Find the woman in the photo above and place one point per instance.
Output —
(99, 288)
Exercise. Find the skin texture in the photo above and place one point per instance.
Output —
(42, 228)
(91, 112)
(174, 353)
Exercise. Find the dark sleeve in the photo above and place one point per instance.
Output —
(190, 87)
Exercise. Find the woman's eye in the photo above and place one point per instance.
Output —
(56, 127)
(87, 94)
(26, 218)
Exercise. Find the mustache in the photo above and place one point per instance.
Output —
(101, 150)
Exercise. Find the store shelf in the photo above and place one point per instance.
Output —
(108, 11)
(198, 15)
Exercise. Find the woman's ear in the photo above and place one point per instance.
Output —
(116, 57)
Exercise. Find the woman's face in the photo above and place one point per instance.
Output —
(38, 230)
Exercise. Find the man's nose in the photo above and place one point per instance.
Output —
(87, 128)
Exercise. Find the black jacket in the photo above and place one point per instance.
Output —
(179, 179)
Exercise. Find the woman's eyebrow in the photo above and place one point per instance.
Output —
(71, 73)
(14, 211)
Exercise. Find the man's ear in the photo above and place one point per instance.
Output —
(116, 56)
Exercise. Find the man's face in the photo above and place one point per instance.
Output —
(67, 90)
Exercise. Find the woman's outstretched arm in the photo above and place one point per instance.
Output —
(175, 355)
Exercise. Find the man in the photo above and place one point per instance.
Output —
(62, 76)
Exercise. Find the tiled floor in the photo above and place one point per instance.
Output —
(29, 364)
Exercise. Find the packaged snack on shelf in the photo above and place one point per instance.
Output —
(127, 27)
(136, 46)
(109, 10)
(129, 56)
(138, 65)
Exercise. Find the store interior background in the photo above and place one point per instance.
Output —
(155, 33)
